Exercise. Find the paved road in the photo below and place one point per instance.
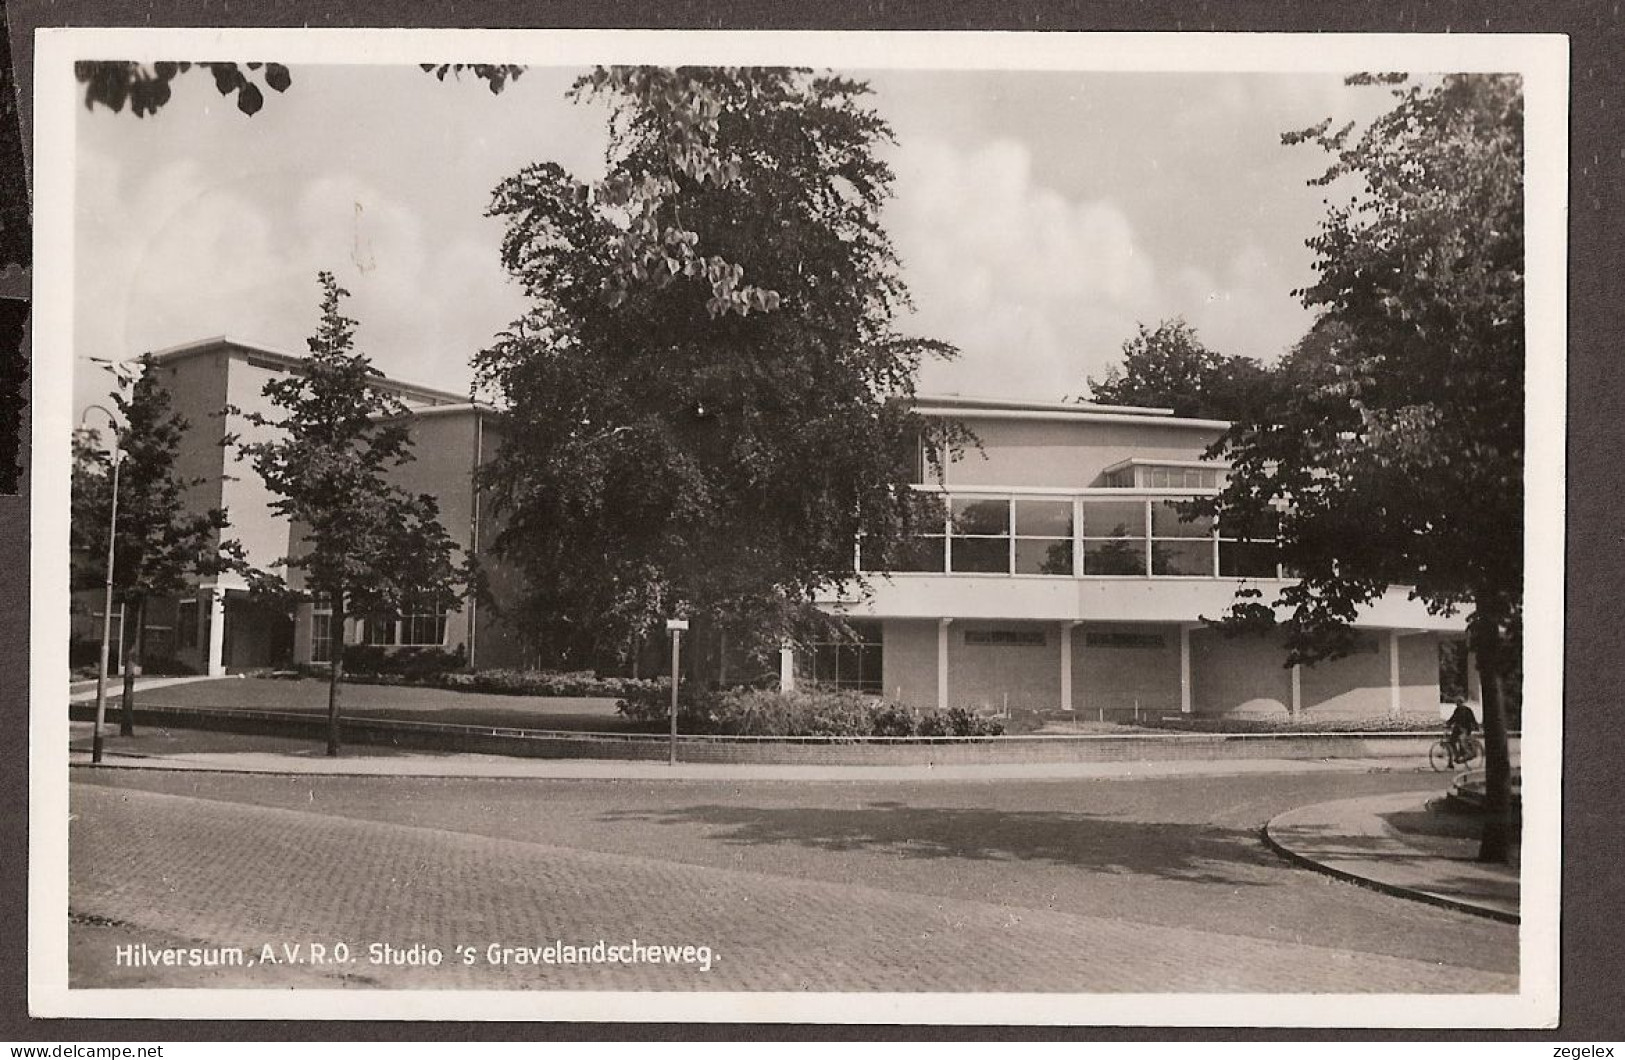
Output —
(1148, 885)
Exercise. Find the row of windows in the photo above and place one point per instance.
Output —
(425, 628)
(1149, 537)
(854, 666)
(1162, 477)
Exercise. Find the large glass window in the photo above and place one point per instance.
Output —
(853, 664)
(1181, 546)
(321, 629)
(1248, 550)
(1114, 537)
(1179, 478)
(926, 551)
(424, 626)
(186, 623)
(1248, 559)
(981, 536)
(1043, 537)
(378, 630)
(1163, 477)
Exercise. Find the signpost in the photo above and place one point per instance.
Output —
(676, 626)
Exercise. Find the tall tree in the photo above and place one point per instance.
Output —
(365, 544)
(1169, 367)
(707, 403)
(1395, 456)
(161, 547)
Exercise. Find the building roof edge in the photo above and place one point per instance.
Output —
(198, 347)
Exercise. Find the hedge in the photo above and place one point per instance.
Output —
(809, 712)
(366, 664)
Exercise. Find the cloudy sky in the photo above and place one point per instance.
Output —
(1039, 216)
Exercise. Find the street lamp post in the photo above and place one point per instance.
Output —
(676, 626)
(107, 594)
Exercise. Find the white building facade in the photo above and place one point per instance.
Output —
(1061, 575)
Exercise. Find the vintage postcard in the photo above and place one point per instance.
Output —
(835, 527)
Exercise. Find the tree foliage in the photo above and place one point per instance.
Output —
(146, 87)
(369, 546)
(1169, 367)
(161, 546)
(680, 440)
(1396, 454)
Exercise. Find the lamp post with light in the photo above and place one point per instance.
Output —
(676, 627)
(107, 594)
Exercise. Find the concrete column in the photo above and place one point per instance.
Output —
(942, 662)
(1474, 690)
(787, 669)
(1297, 690)
(1077, 537)
(1066, 665)
(1185, 669)
(1393, 672)
(217, 632)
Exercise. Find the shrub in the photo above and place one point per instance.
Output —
(649, 702)
(546, 683)
(894, 719)
(813, 712)
(957, 721)
(442, 668)
(415, 663)
(803, 712)
(962, 722)
(167, 666)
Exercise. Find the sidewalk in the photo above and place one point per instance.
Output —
(239, 753)
(85, 691)
(1397, 844)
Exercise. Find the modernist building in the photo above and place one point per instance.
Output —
(1055, 572)
(221, 629)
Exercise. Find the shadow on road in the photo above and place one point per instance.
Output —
(1198, 853)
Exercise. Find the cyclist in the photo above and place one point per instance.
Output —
(1459, 730)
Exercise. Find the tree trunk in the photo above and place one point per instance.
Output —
(1495, 844)
(335, 675)
(134, 642)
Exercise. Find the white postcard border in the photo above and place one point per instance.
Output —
(1541, 59)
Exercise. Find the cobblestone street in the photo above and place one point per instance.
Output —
(1105, 886)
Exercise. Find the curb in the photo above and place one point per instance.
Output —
(1382, 887)
(616, 770)
(821, 750)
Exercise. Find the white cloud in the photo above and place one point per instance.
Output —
(179, 253)
(1031, 285)
(1039, 290)
(1248, 311)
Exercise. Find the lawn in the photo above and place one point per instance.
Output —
(309, 695)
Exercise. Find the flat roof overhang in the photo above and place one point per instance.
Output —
(1059, 599)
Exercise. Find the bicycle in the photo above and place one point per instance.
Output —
(1448, 753)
